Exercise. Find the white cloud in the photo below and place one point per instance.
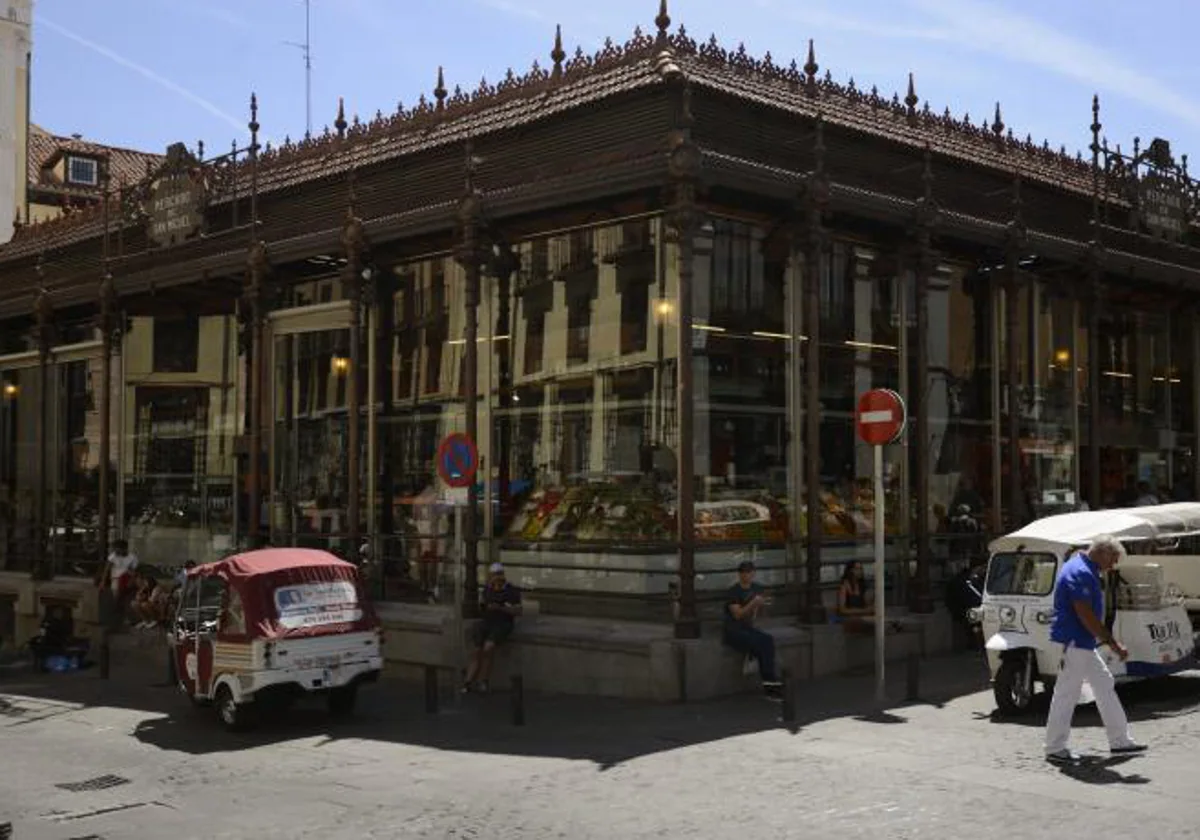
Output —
(1015, 37)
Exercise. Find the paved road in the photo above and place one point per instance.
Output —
(582, 769)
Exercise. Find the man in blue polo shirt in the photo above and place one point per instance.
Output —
(1078, 627)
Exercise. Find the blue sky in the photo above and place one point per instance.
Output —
(144, 73)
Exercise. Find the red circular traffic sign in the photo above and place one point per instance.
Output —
(457, 460)
(881, 416)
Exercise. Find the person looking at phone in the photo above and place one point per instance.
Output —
(744, 603)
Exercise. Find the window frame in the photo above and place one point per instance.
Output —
(86, 161)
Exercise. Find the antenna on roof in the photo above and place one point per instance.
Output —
(306, 50)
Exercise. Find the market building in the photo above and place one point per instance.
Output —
(650, 284)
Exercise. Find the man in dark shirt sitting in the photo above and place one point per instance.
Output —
(743, 603)
(500, 604)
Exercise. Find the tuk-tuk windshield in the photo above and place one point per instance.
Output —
(209, 592)
(1021, 573)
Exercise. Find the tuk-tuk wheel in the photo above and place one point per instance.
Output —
(1013, 696)
(342, 700)
(234, 717)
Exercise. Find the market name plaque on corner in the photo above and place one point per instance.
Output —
(1162, 207)
(175, 208)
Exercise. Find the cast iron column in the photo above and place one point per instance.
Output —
(816, 199)
(257, 268)
(354, 244)
(684, 162)
(1095, 270)
(1195, 406)
(925, 220)
(44, 315)
(1095, 300)
(108, 332)
(1014, 247)
(471, 255)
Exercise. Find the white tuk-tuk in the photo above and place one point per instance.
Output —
(1140, 609)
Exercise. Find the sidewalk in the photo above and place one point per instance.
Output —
(394, 709)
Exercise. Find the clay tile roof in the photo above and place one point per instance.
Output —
(582, 79)
(126, 166)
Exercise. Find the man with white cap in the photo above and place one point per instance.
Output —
(500, 604)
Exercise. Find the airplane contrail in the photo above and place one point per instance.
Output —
(146, 72)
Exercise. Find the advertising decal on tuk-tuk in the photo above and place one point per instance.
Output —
(316, 604)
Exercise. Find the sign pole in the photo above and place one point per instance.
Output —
(460, 562)
(880, 583)
(880, 420)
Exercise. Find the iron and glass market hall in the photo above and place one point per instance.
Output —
(650, 284)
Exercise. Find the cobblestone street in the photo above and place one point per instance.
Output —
(87, 759)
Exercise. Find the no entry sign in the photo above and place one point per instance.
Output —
(881, 417)
(457, 460)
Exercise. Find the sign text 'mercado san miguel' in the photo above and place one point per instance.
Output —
(175, 209)
(1163, 208)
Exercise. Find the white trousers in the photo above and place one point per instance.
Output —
(1081, 666)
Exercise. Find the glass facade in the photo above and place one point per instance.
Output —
(20, 412)
(578, 416)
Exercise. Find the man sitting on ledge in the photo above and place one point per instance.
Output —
(500, 604)
(743, 603)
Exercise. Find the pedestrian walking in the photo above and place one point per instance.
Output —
(1079, 628)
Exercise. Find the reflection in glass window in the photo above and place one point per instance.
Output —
(861, 348)
(180, 498)
(176, 344)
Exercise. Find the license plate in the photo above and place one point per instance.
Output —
(317, 662)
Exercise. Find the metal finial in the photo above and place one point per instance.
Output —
(200, 150)
(558, 54)
(663, 22)
(439, 92)
(340, 122)
(910, 99)
(254, 126)
(810, 70)
(997, 123)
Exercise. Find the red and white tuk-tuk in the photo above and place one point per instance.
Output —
(264, 628)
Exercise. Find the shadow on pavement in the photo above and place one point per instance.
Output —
(1144, 701)
(1099, 771)
(604, 731)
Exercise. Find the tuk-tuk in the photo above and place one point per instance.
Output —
(1146, 615)
(261, 629)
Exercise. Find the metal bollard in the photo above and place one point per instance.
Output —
(431, 689)
(912, 689)
(789, 697)
(105, 654)
(518, 700)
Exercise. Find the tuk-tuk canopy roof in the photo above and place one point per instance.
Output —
(292, 592)
(268, 561)
(1066, 531)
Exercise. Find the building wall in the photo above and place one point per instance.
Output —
(16, 45)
